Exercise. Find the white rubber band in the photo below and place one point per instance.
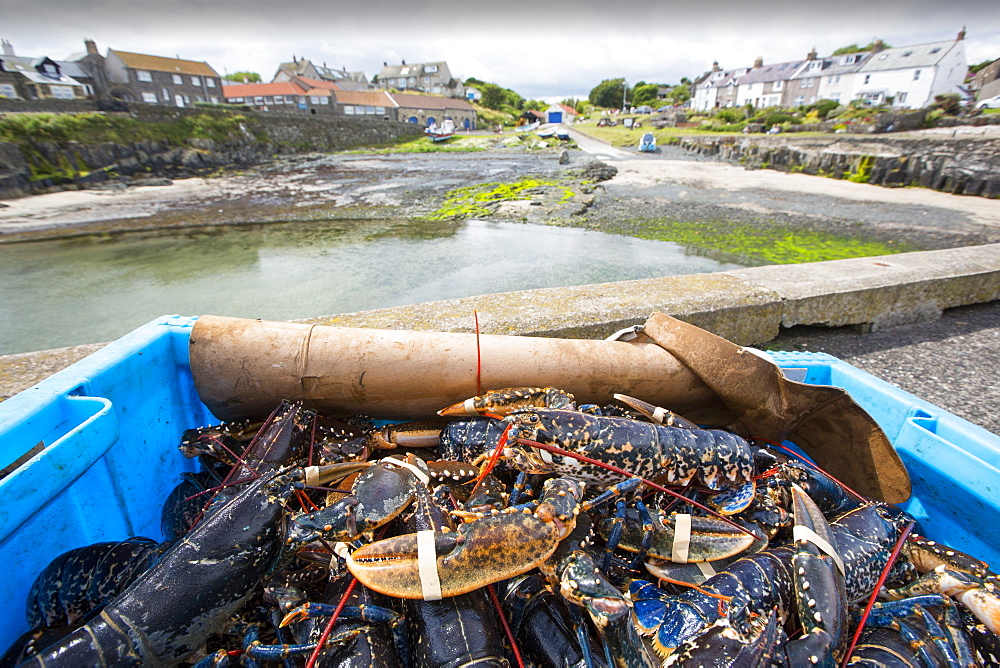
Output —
(682, 539)
(312, 476)
(659, 414)
(342, 550)
(706, 569)
(430, 584)
(805, 533)
(421, 476)
(470, 407)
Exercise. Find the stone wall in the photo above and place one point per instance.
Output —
(49, 166)
(964, 166)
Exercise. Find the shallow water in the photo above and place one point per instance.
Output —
(93, 289)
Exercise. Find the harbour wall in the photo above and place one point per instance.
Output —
(747, 306)
(958, 165)
(38, 166)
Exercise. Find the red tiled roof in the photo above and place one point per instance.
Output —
(411, 101)
(371, 98)
(141, 61)
(256, 89)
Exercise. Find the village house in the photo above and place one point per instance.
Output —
(433, 78)
(560, 113)
(285, 96)
(836, 77)
(430, 109)
(764, 85)
(716, 89)
(910, 76)
(304, 68)
(161, 80)
(803, 86)
(39, 78)
(986, 82)
(367, 103)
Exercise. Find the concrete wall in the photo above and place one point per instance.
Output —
(747, 306)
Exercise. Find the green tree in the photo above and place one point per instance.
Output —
(854, 48)
(535, 105)
(608, 93)
(645, 94)
(493, 96)
(243, 77)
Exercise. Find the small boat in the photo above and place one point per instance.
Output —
(442, 132)
(545, 133)
(527, 128)
(648, 143)
(562, 134)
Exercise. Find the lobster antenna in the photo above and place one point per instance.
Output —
(506, 626)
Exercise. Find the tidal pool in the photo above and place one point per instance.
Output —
(93, 289)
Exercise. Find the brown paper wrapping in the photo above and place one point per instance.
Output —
(756, 399)
(243, 368)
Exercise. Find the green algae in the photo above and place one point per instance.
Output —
(756, 244)
(479, 200)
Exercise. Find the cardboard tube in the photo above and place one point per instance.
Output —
(244, 368)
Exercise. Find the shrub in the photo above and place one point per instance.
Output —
(730, 115)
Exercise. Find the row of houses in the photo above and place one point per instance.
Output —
(907, 77)
(425, 93)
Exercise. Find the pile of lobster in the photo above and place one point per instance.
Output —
(520, 528)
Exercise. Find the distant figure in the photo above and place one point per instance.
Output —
(775, 129)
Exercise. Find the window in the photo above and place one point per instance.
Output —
(213, 99)
(314, 99)
(808, 83)
(7, 90)
(210, 83)
(143, 75)
(916, 74)
(370, 110)
(258, 100)
(777, 85)
(799, 100)
(149, 97)
(868, 78)
(195, 81)
(279, 99)
(324, 99)
(62, 92)
(166, 95)
(815, 65)
(268, 100)
(431, 69)
(907, 53)
(234, 100)
(49, 69)
(935, 49)
(849, 60)
(379, 110)
(178, 80)
(901, 97)
(349, 109)
(834, 79)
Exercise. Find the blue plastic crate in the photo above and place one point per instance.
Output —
(111, 424)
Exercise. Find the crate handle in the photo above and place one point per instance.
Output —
(54, 469)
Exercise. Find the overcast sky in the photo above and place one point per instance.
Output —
(545, 50)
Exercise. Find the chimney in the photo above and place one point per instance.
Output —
(8, 49)
(812, 54)
(759, 62)
(715, 66)
(404, 62)
(91, 46)
(961, 34)
(878, 45)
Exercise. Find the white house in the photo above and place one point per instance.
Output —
(764, 85)
(840, 76)
(912, 75)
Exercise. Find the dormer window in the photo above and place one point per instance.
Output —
(815, 65)
(430, 69)
(849, 60)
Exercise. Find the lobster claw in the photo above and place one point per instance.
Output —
(477, 554)
(489, 549)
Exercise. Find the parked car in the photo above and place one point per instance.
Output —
(989, 103)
